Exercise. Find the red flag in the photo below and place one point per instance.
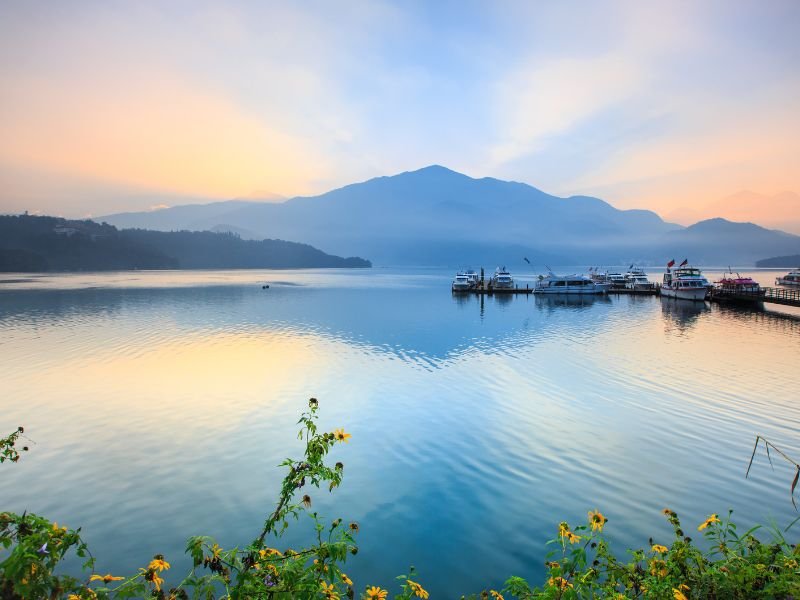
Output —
(670, 263)
(685, 262)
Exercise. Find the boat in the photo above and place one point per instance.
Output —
(791, 278)
(738, 289)
(473, 277)
(502, 279)
(636, 280)
(569, 284)
(462, 282)
(617, 280)
(684, 282)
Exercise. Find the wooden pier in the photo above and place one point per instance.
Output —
(774, 295)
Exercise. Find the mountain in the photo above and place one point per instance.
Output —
(33, 243)
(435, 216)
(782, 210)
(721, 242)
(783, 262)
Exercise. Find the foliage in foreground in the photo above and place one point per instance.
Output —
(582, 566)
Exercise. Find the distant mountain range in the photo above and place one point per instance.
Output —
(782, 262)
(743, 206)
(435, 216)
(34, 243)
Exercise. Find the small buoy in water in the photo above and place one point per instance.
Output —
(264, 287)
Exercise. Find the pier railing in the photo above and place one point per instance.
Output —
(776, 295)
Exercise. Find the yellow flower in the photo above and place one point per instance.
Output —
(678, 595)
(559, 582)
(712, 519)
(659, 548)
(417, 589)
(341, 436)
(329, 591)
(152, 576)
(597, 520)
(73, 597)
(158, 564)
(345, 579)
(563, 528)
(108, 577)
(572, 537)
(658, 568)
(496, 595)
(376, 593)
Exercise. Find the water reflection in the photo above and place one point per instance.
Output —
(573, 301)
(512, 413)
(682, 314)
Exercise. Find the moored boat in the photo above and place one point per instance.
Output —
(684, 282)
(569, 284)
(502, 279)
(736, 288)
(636, 280)
(791, 278)
(462, 282)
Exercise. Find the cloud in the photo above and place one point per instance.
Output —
(535, 103)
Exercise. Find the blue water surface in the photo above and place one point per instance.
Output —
(159, 404)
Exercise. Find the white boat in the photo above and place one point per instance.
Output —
(502, 279)
(617, 280)
(462, 282)
(685, 283)
(791, 278)
(636, 279)
(473, 277)
(569, 284)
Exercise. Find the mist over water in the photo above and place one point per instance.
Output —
(161, 403)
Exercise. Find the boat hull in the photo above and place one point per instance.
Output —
(583, 290)
(694, 294)
(789, 282)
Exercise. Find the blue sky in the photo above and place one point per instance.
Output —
(112, 106)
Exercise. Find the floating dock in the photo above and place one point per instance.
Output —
(483, 288)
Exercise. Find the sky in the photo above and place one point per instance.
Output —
(678, 107)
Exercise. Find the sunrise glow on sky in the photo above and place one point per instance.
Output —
(673, 106)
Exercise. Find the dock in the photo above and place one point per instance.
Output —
(773, 295)
(483, 288)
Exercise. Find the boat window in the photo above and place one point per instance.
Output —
(560, 283)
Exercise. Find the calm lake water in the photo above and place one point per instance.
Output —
(160, 404)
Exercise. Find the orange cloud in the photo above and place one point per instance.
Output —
(154, 130)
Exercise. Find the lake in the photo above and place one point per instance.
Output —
(160, 403)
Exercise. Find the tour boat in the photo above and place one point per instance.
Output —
(791, 278)
(617, 280)
(636, 279)
(569, 284)
(502, 279)
(684, 282)
(462, 282)
(738, 288)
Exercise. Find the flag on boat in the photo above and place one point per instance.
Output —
(685, 262)
(670, 263)
(526, 259)
(631, 267)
